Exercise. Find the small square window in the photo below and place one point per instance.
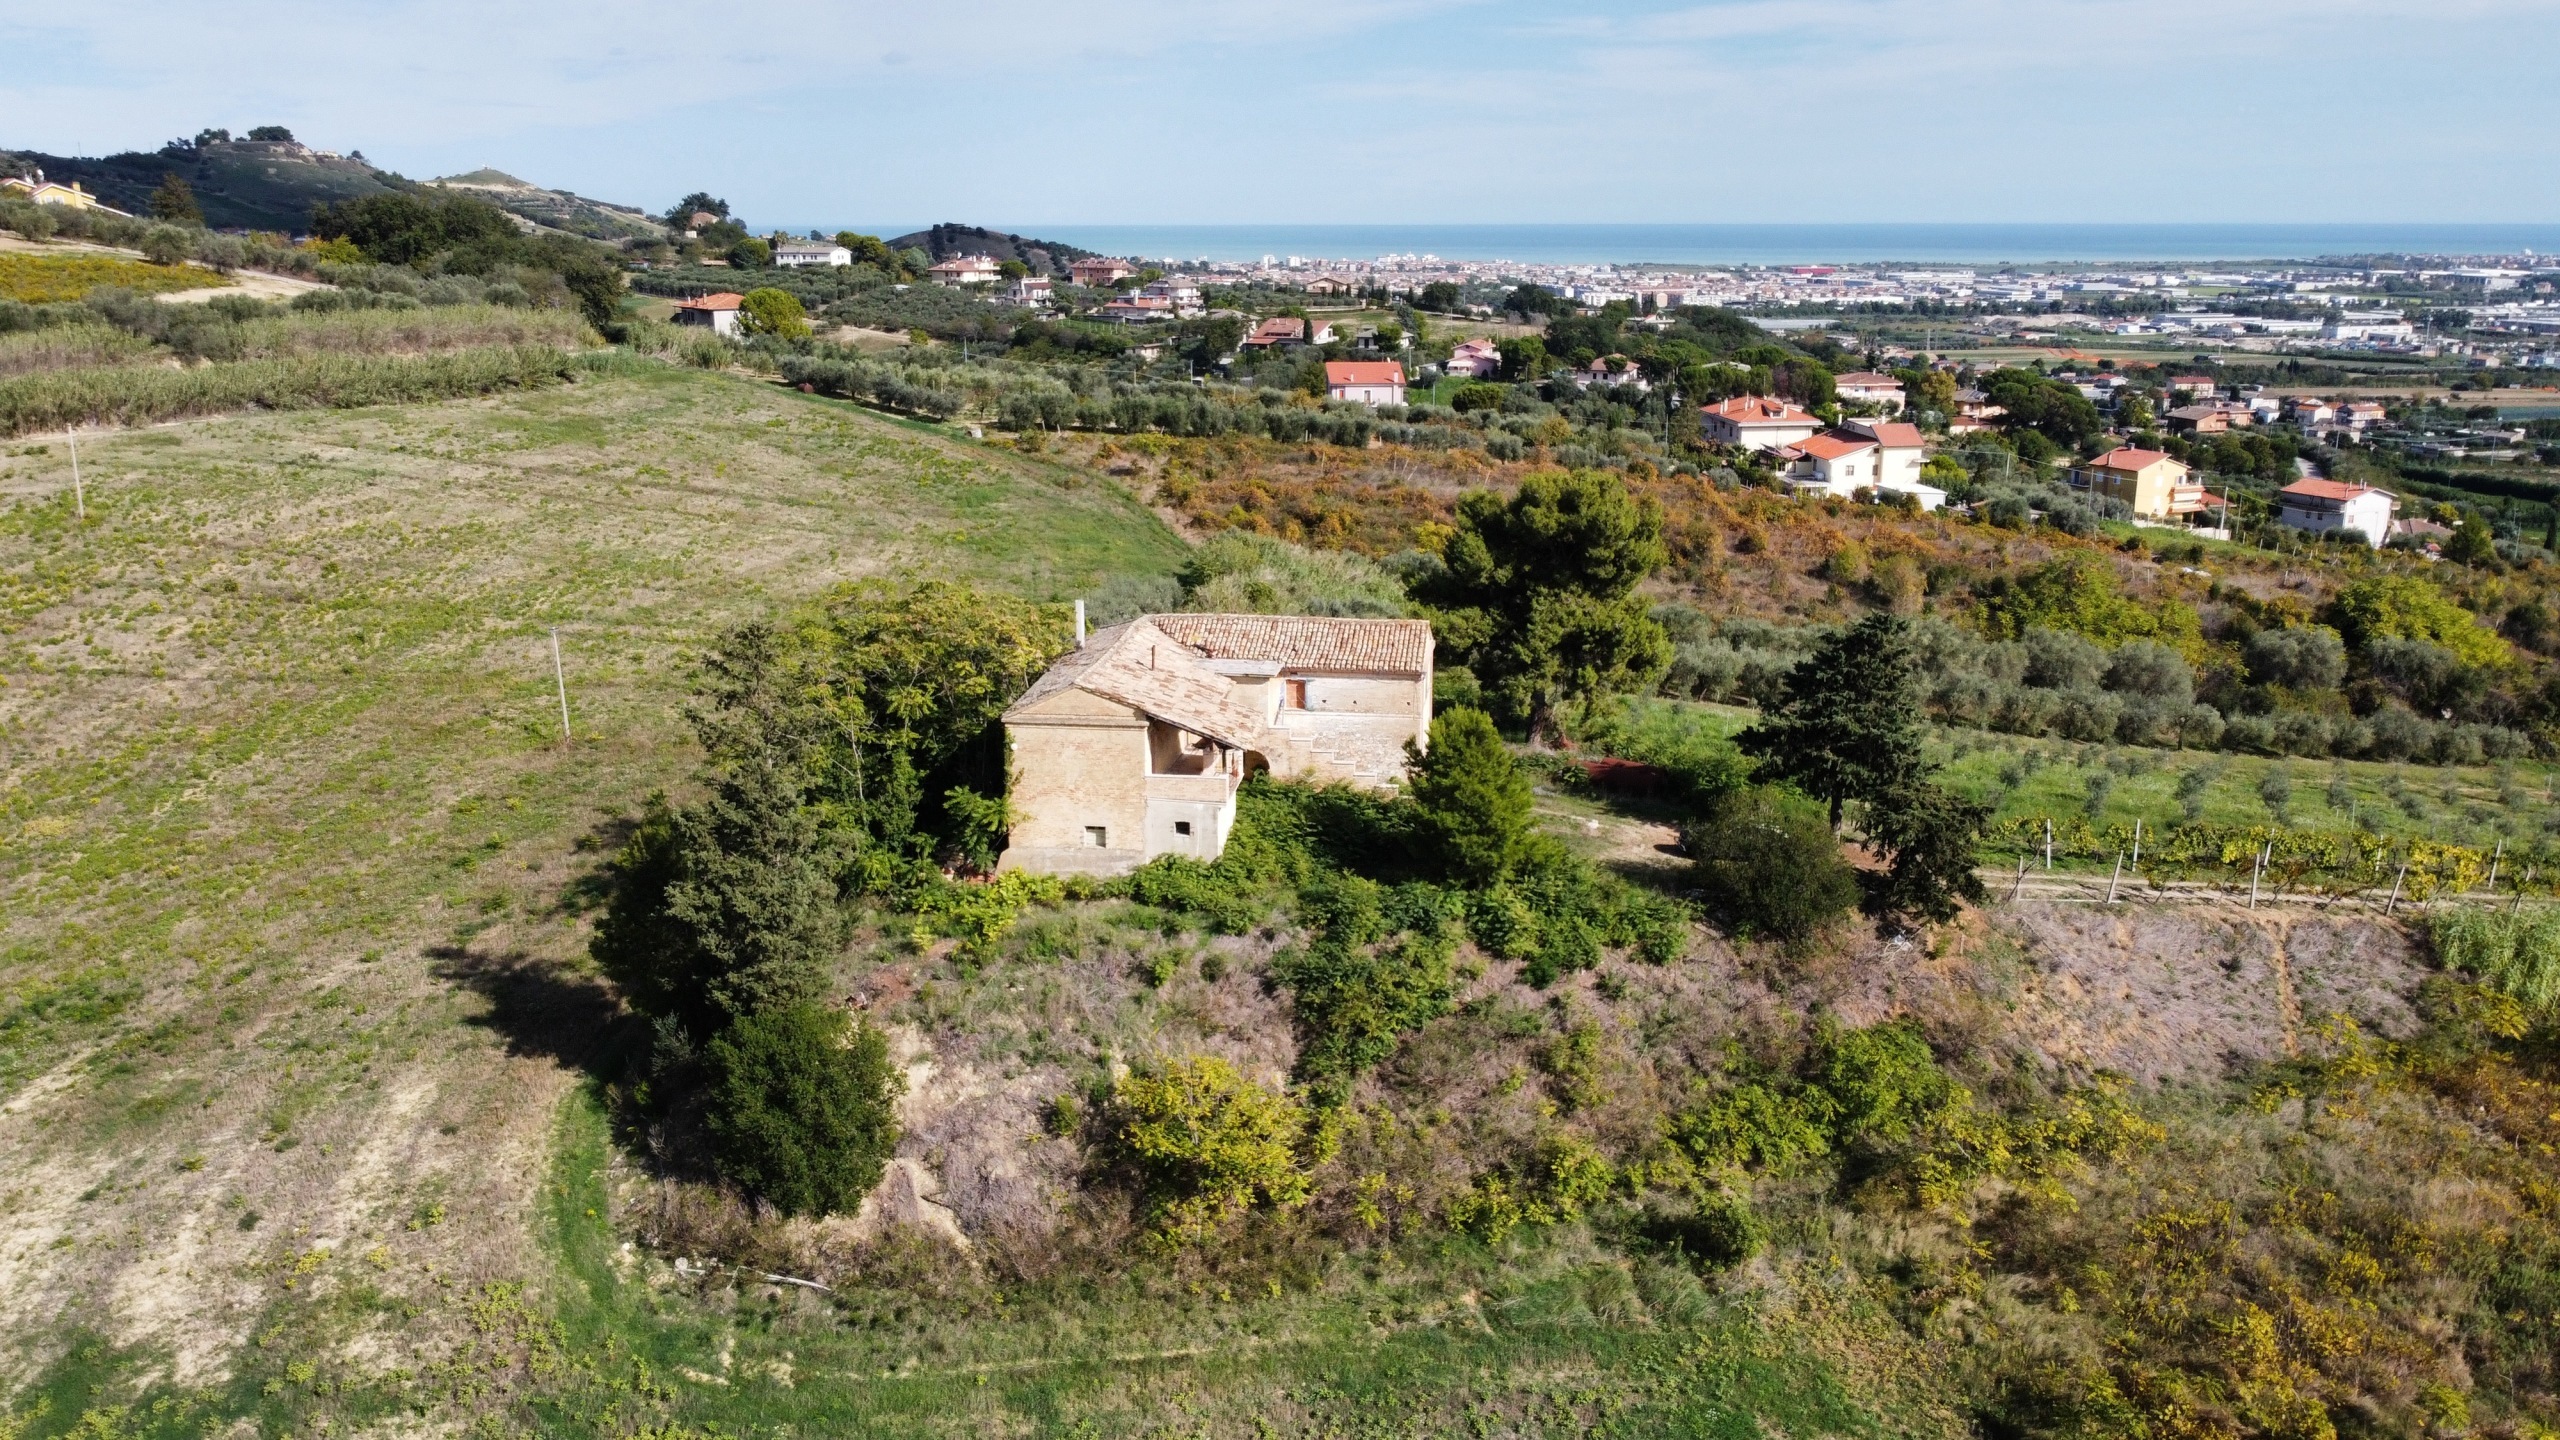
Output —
(1098, 837)
(1181, 827)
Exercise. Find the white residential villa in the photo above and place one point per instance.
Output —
(1134, 744)
(1755, 422)
(796, 253)
(1882, 455)
(2320, 506)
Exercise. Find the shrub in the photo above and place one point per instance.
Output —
(1714, 1228)
(1208, 1143)
(1473, 802)
(1754, 1126)
(2515, 954)
(2306, 657)
(801, 1112)
(1352, 994)
(1883, 1084)
(1768, 860)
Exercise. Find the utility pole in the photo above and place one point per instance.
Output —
(560, 680)
(79, 501)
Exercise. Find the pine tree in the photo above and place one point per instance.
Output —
(1933, 837)
(801, 1111)
(1474, 801)
(175, 201)
(1849, 725)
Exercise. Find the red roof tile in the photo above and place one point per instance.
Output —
(1760, 410)
(1832, 445)
(1898, 436)
(2125, 457)
(1363, 372)
(2330, 490)
(724, 300)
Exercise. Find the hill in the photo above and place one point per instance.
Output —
(1046, 257)
(239, 184)
(555, 209)
(275, 185)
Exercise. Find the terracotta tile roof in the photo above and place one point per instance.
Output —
(1866, 380)
(1308, 642)
(1363, 372)
(1832, 445)
(724, 300)
(1760, 410)
(1149, 671)
(1894, 435)
(2125, 457)
(2331, 490)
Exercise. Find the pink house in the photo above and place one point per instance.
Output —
(1475, 359)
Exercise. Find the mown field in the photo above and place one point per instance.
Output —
(295, 1020)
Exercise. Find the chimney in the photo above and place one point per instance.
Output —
(1079, 624)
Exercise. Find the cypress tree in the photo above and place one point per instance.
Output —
(1475, 803)
(1848, 727)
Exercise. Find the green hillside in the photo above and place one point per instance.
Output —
(240, 185)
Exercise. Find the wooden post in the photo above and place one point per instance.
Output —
(2022, 880)
(2494, 857)
(2112, 879)
(2048, 842)
(560, 679)
(2393, 903)
(2137, 845)
(79, 498)
(2256, 870)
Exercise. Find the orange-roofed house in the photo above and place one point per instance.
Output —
(716, 313)
(1869, 387)
(1365, 382)
(2153, 483)
(2322, 506)
(1755, 422)
(1134, 744)
(1882, 456)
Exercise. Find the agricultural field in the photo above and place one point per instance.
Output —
(316, 1117)
(53, 279)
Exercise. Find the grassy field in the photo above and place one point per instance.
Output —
(283, 765)
(294, 1015)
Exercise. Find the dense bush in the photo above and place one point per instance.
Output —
(801, 1108)
(1474, 805)
(1768, 861)
(1376, 967)
(1208, 1144)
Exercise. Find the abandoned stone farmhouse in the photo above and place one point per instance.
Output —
(1134, 744)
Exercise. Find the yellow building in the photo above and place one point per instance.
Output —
(2154, 484)
(50, 192)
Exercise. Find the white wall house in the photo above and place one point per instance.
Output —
(1883, 456)
(1755, 422)
(794, 254)
(1868, 387)
(2325, 505)
(1366, 382)
(715, 313)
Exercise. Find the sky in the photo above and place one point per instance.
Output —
(1015, 112)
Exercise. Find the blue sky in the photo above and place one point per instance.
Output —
(1016, 112)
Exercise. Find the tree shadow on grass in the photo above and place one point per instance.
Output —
(547, 1010)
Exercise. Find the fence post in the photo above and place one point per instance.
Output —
(2394, 902)
(2022, 880)
(2494, 857)
(2137, 845)
(2112, 879)
(2048, 842)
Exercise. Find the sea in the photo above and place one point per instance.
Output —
(1709, 245)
